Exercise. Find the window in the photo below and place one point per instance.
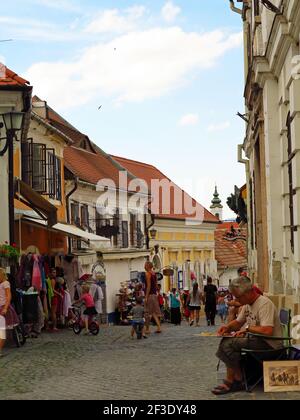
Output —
(41, 169)
(292, 191)
(133, 230)
(85, 216)
(125, 243)
(140, 236)
(75, 219)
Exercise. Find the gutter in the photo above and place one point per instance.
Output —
(51, 128)
(234, 8)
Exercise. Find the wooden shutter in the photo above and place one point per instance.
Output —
(51, 175)
(58, 179)
(39, 177)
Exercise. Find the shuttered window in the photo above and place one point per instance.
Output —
(41, 169)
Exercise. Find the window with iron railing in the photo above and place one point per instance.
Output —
(41, 169)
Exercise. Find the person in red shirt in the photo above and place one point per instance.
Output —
(89, 303)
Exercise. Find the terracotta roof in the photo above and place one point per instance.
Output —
(149, 173)
(230, 253)
(9, 78)
(90, 167)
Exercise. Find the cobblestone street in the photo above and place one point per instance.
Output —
(175, 365)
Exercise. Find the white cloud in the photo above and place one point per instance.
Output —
(132, 67)
(65, 5)
(37, 30)
(170, 12)
(218, 127)
(113, 21)
(189, 119)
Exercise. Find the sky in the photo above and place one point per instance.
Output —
(167, 76)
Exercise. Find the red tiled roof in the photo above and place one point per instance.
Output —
(230, 253)
(90, 167)
(149, 173)
(9, 78)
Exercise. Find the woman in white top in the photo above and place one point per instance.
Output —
(194, 303)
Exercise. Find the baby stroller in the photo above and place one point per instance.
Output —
(13, 326)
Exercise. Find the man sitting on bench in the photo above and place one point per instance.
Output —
(258, 316)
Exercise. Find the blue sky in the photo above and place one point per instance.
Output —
(168, 74)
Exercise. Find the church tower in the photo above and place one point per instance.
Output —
(216, 207)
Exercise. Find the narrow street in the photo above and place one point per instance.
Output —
(176, 365)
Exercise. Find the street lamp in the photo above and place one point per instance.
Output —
(13, 122)
(153, 233)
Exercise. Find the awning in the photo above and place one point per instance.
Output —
(72, 231)
(31, 198)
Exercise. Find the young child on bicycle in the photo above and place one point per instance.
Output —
(138, 314)
(89, 303)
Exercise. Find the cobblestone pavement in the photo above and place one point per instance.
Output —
(177, 364)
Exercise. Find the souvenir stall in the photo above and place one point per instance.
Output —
(126, 297)
(35, 287)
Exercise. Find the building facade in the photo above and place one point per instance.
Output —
(15, 95)
(271, 146)
(181, 248)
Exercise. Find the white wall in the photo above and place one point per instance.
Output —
(229, 274)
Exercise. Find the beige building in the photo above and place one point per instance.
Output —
(272, 145)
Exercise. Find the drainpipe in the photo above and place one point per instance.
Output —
(234, 8)
(76, 181)
(147, 228)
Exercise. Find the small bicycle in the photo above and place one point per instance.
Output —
(79, 324)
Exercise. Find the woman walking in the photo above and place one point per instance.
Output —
(195, 304)
(152, 309)
(175, 307)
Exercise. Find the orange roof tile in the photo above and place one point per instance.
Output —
(230, 253)
(9, 78)
(90, 167)
(149, 173)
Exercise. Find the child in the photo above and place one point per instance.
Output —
(89, 303)
(138, 313)
(8, 316)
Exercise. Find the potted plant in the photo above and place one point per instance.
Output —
(9, 254)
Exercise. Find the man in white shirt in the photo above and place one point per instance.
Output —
(258, 316)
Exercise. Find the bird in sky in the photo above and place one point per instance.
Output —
(100, 107)
(6, 40)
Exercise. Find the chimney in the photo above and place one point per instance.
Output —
(40, 108)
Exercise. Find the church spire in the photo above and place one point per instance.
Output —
(216, 205)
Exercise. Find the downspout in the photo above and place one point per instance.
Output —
(234, 8)
(76, 181)
(147, 228)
